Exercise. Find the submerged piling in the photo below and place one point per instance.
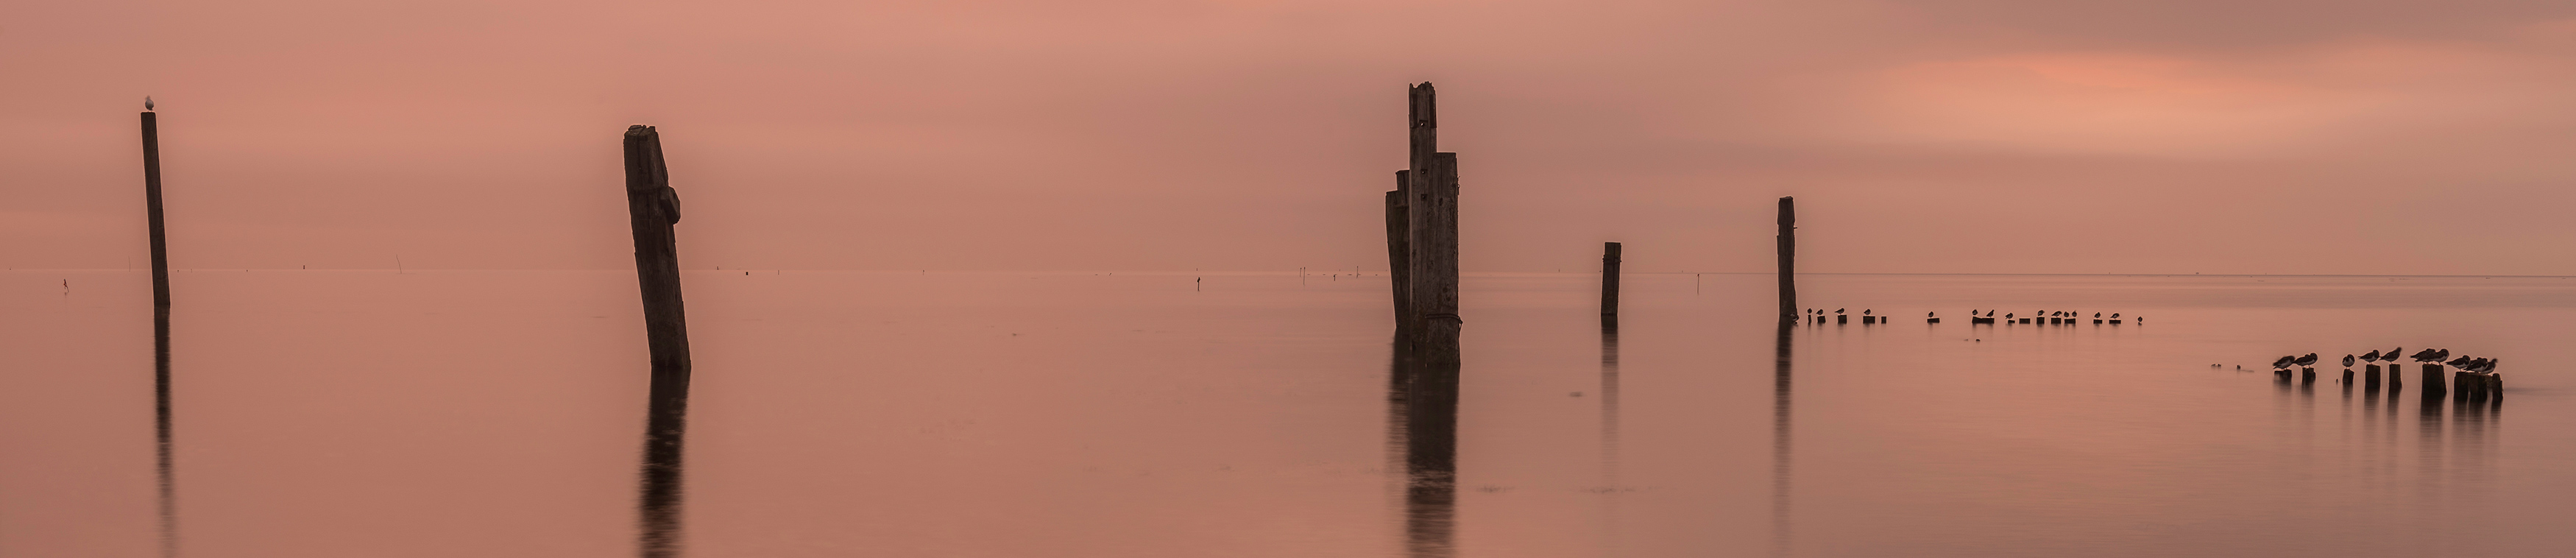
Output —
(1609, 280)
(653, 208)
(1788, 240)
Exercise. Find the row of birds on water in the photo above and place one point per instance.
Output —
(1817, 315)
(2430, 356)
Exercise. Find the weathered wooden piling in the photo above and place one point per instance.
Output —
(1432, 213)
(2307, 375)
(1610, 279)
(164, 463)
(2433, 381)
(653, 208)
(1788, 241)
(2495, 387)
(1399, 261)
(2347, 376)
(2370, 377)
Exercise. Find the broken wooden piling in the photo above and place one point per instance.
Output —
(1432, 214)
(653, 208)
(1788, 248)
(1399, 258)
(1609, 280)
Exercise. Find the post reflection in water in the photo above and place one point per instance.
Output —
(1781, 530)
(658, 508)
(1425, 398)
(1610, 487)
(161, 430)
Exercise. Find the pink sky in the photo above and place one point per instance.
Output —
(1967, 136)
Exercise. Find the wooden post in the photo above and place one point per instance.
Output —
(1399, 262)
(1432, 213)
(1788, 240)
(2370, 377)
(163, 458)
(653, 208)
(1435, 271)
(1610, 279)
(2433, 381)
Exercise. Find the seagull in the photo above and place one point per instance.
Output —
(1990, 313)
(2097, 315)
(2391, 355)
(2442, 354)
(147, 102)
(2421, 356)
(2308, 360)
(2115, 315)
(1864, 311)
(2347, 361)
(2284, 362)
(1838, 310)
(2481, 365)
(2007, 315)
(2372, 356)
(2462, 362)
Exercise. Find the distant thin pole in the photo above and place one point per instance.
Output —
(1610, 279)
(160, 334)
(1788, 259)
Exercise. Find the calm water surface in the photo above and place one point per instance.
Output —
(454, 413)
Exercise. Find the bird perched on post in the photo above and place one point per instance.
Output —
(147, 102)
(2391, 355)
(1838, 310)
(2372, 356)
(2462, 362)
(2285, 362)
(2347, 361)
(2421, 356)
(2308, 360)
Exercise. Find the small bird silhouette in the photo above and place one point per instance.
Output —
(147, 102)
(2115, 315)
(2097, 315)
(2421, 356)
(2284, 362)
(2347, 361)
(1990, 313)
(2441, 354)
(2372, 356)
(2391, 355)
(2311, 358)
(2007, 315)
(1931, 314)
(1864, 311)
(2462, 362)
(1838, 310)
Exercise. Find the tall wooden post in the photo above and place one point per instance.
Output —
(1610, 279)
(163, 464)
(1399, 262)
(653, 208)
(1432, 208)
(1788, 240)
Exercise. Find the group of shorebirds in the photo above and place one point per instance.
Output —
(2478, 365)
(1818, 316)
(2475, 378)
(2060, 317)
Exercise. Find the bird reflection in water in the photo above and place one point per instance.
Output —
(1422, 402)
